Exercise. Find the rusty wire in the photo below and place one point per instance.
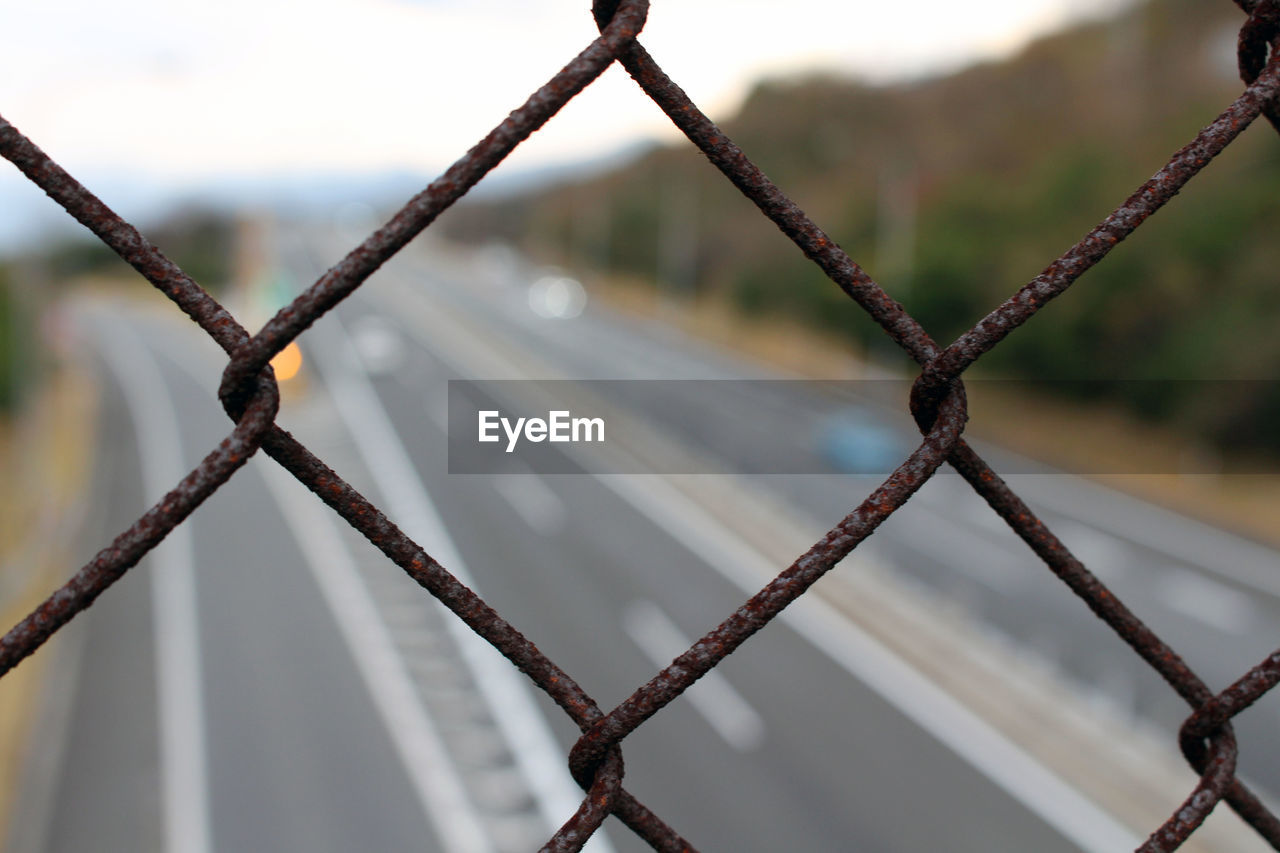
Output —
(249, 394)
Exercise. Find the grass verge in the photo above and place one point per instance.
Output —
(47, 457)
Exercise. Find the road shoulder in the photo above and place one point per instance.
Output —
(50, 457)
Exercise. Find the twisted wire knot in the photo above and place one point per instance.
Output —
(1258, 46)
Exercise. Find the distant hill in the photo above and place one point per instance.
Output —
(955, 191)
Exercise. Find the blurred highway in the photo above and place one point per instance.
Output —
(1214, 596)
(278, 685)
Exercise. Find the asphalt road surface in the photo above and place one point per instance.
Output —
(267, 681)
(1213, 596)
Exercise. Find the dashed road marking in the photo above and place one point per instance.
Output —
(723, 707)
(179, 676)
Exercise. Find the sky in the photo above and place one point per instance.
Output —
(178, 92)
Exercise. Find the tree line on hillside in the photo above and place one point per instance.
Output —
(955, 191)
(200, 242)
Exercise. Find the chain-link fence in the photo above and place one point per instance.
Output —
(251, 398)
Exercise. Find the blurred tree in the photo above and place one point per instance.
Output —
(957, 190)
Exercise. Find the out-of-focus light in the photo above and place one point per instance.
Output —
(287, 362)
(557, 297)
(378, 344)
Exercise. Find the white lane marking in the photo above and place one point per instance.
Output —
(1208, 602)
(533, 500)
(959, 499)
(1104, 555)
(1210, 549)
(435, 779)
(179, 675)
(988, 751)
(953, 545)
(409, 505)
(712, 695)
(1009, 767)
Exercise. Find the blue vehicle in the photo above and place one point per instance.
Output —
(855, 441)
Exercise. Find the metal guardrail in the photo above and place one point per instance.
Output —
(251, 398)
